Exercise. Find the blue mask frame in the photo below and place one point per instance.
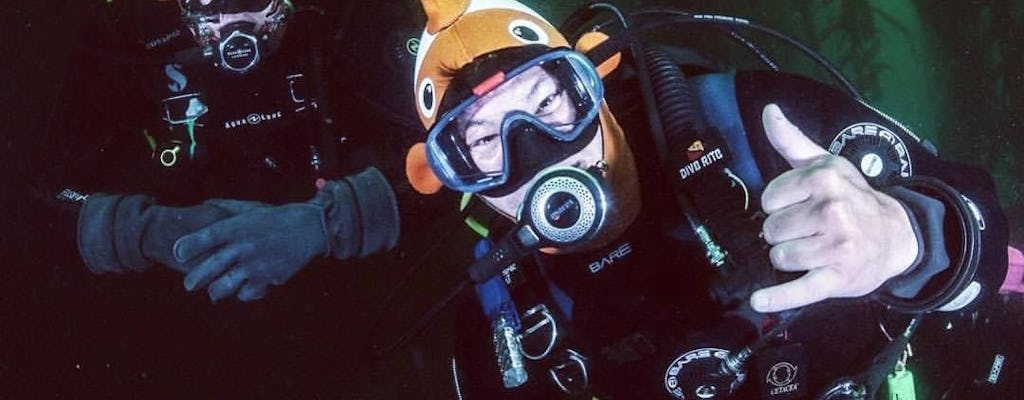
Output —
(454, 166)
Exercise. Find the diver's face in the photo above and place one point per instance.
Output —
(209, 30)
(536, 92)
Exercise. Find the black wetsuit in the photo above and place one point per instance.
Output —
(636, 308)
(325, 103)
(128, 99)
(143, 335)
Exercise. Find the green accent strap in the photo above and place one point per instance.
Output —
(149, 140)
(473, 224)
(901, 385)
(192, 136)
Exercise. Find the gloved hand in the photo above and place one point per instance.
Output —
(247, 252)
(244, 254)
(118, 232)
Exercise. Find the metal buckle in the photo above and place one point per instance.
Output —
(533, 320)
(846, 389)
(571, 375)
(183, 109)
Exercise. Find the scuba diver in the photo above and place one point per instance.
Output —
(659, 226)
(217, 152)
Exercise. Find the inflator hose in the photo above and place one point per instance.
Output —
(678, 108)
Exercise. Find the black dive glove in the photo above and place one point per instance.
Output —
(118, 233)
(354, 217)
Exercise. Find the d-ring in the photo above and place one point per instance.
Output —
(546, 318)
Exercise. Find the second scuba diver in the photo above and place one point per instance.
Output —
(221, 159)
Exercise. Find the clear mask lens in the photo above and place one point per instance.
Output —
(556, 95)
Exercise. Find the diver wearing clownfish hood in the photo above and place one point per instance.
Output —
(673, 230)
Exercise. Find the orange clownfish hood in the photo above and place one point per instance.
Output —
(460, 30)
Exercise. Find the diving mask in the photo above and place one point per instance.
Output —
(235, 33)
(517, 122)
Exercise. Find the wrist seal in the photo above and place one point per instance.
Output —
(961, 228)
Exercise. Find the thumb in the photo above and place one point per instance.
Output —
(788, 140)
(188, 247)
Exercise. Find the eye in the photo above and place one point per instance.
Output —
(527, 32)
(549, 104)
(483, 141)
(426, 97)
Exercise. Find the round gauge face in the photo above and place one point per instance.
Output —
(876, 151)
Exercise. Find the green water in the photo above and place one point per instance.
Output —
(951, 71)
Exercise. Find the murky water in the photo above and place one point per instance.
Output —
(952, 71)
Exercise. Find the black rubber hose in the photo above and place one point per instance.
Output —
(573, 26)
(678, 107)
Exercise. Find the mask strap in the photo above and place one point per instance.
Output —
(616, 44)
(470, 220)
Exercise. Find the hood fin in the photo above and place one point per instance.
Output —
(443, 13)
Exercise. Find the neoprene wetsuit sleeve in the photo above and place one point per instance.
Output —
(974, 236)
(361, 214)
(926, 215)
(95, 119)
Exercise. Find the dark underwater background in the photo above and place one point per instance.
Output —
(953, 71)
